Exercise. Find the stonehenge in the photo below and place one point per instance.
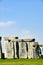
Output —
(20, 48)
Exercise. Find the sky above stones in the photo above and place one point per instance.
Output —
(22, 18)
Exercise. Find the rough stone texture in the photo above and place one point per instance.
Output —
(9, 49)
(32, 50)
(19, 40)
(20, 48)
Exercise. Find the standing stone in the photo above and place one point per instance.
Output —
(22, 49)
(9, 49)
(0, 49)
(32, 50)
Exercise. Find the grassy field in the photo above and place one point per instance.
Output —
(21, 61)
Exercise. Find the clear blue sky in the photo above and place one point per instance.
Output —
(23, 18)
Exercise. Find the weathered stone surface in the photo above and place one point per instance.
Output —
(41, 45)
(9, 49)
(19, 40)
(22, 50)
(32, 50)
(0, 49)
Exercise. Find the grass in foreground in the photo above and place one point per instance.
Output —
(21, 61)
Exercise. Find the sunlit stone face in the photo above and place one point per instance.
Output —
(32, 50)
(22, 50)
(9, 49)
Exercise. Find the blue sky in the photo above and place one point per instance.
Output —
(23, 18)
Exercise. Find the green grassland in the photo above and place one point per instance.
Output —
(21, 61)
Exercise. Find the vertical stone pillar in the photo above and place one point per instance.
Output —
(0, 48)
(5, 45)
(29, 50)
(9, 49)
(35, 55)
(16, 48)
(32, 50)
(22, 49)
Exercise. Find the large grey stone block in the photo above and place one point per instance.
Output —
(9, 49)
(22, 50)
(32, 50)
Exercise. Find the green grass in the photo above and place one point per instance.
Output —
(21, 61)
